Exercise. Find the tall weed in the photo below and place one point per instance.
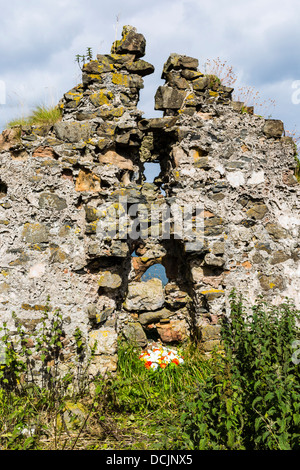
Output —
(251, 400)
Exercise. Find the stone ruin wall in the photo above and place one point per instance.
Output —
(60, 187)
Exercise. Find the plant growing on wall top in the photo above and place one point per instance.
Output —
(82, 59)
(220, 72)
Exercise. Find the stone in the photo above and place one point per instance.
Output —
(203, 162)
(213, 226)
(154, 317)
(145, 296)
(210, 332)
(72, 416)
(91, 214)
(35, 233)
(4, 287)
(103, 365)
(135, 335)
(175, 331)
(140, 67)
(157, 123)
(168, 98)
(289, 178)
(179, 156)
(119, 249)
(104, 63)
(131, 42)
(10, 138)
(269, 282)
(44, 152)
(52, 201)
(175, 297)
(212, 294)
(213, 260)
(263, 246)
(105, 339)
(257, 211)
(237, 106)
(97, 315)
(191, 74)
(110, 280)
(60, 193)
(218, 248)
(175, 79)
(101, 98)
(127, 81)
(113, 158)
(200, 84)
(140, 265)
(279, 257)
(273, 128)
(72, 131)
(38, 270)
(87, 181)
(177, 61)
(276, 231)
(58, 255)
(236, 179)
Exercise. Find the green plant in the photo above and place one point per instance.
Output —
(81, 59)
(41, 115)
(251, 97)
(34, 393)
(135, 387)
(252, 399)
(18, 369)
(13, 366)
(219, 72)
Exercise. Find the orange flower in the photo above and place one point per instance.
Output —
(148, 364)
(175, 361)
(163, 365)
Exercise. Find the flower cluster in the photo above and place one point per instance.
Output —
(160, 357)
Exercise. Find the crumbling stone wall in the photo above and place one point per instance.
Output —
(69, 196)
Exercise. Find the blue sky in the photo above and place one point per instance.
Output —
(39, 42)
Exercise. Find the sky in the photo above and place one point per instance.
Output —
(258, 38)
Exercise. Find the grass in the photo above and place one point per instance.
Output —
(132, 410)
(41, 115)
(137, 388)
(247, 399)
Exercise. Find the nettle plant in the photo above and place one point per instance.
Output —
(251, 399)
(37, 359)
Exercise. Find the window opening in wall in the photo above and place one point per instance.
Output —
(152, 171)
(156, 271)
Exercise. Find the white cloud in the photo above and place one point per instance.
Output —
(39, 41)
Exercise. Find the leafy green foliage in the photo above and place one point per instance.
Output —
(82, 59)
(244, 398)
(251, 400)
